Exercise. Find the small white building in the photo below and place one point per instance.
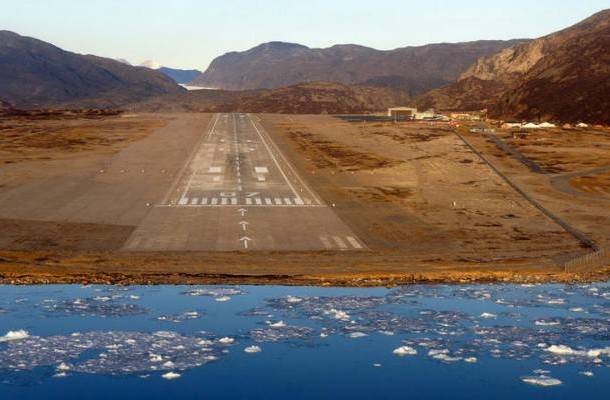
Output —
(422, 115)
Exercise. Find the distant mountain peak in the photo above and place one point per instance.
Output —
(38, 74)
(152, 64)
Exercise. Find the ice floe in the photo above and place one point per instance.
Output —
(219, 293)
(171, 375)
(102, 306)
(541, 380)
(405, 351)
(177, 318)
(14, 335)
(252, 349)
(114, 352)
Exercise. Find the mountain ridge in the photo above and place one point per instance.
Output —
(34, 73)
(563, 76)
(414, 69)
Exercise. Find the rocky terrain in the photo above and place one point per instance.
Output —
(34, 73)
(413, 69)
(564, 76)
(304, 98)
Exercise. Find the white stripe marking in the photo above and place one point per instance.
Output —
(268, 201)
(183, 201)
(194, 201)
(287, 201)
(278, 201)
(248, 201)
(214, 201)
(258, 201)
(340, 242)
(354, 242)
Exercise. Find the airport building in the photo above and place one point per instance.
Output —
(402, 112)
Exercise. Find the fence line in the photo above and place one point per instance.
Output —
(596, 259)
(578, 235)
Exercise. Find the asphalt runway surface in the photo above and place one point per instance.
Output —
(237, 191)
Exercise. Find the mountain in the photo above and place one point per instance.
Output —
(304, 98)
(414, 69)
(564, 76)
(34, 73)
(182, 76)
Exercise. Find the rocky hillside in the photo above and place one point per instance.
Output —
(413, 69)
(564, 76)
(37, 74)
(320, 98)
(305, 98)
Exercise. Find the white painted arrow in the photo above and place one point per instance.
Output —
(245, 241)
(244, 224)
(242, 211)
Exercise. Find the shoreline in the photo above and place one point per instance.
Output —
(43, 269)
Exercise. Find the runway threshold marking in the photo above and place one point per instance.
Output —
(172, 189)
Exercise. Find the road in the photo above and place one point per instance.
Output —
(237, 191)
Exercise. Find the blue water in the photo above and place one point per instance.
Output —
(100, 342)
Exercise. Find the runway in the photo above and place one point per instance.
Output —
(237, 191)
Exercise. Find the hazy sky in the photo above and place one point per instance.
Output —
(190, 33)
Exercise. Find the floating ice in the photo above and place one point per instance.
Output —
(442, 355)
(222, 299)
(293, 299)
(111, 352)
(487, 315)
(185, 316)
(278, 324)
(171, 375)
(252, 349)
(338, 314)
(220, 292)
(542, 380)
(357, 335)
(281, 334)
(405, 351)
(103, 306)
(226, 340)
(14, 335)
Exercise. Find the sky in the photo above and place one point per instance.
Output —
(190, 33)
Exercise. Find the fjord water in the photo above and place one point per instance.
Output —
(458, 342)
